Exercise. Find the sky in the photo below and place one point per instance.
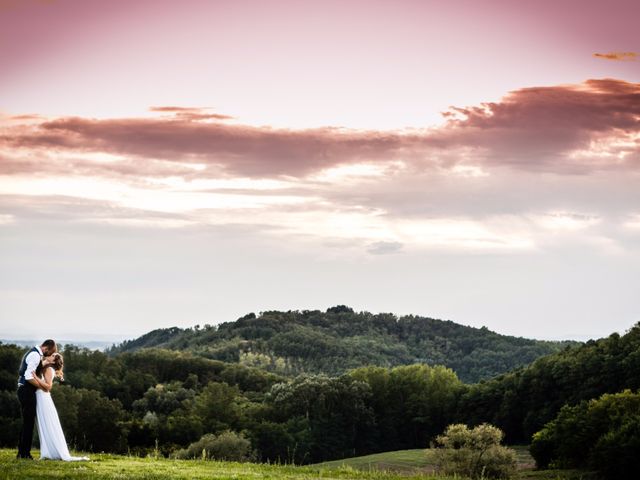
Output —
(173, 163)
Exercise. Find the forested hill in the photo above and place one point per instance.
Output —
(339, 339)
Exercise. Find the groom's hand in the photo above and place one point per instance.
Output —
(33, 381)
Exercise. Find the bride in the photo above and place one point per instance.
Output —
(52, 442)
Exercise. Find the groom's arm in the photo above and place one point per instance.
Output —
(34, 383)
(33, 360)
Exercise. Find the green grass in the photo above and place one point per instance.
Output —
(419, 461)
(102, 467)
(398, 461)
(398, 465)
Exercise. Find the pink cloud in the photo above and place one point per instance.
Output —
(532, 128)
(191, 113)
(618, 56)
(239, 149)
(538, 127)
(173, 109)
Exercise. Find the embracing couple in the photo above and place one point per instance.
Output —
(38, 368)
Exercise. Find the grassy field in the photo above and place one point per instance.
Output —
(102, 467)
(399, 465)
(401, 461)
(409, 462)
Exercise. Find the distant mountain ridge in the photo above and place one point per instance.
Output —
(89, 344)
(339, 339)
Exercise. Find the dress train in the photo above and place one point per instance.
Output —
(52, 442)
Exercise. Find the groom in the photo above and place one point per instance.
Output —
(27, 387)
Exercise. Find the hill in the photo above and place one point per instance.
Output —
(332, 342)
(153, 399)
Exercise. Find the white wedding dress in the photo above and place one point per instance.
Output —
(52, 442)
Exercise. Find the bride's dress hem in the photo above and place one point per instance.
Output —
(53, 445)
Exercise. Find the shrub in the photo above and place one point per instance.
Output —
(475, 453)
(228, 445)
(543, 447)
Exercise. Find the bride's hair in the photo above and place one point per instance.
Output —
(58, 364)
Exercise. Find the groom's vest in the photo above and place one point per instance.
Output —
(23, 367)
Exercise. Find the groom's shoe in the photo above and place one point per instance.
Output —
(24, 457)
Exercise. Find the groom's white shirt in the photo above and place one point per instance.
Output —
(33, 360)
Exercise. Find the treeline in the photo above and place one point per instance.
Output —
(99, 403)
(335, 341)
(158, 398)
(602, 434)
(523, 401)
(135, 401)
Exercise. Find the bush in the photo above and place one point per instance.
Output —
(475, 453)
(228, 445)
(543, 447)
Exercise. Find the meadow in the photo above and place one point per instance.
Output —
(113, 467)
(400, 465)
(410, 462)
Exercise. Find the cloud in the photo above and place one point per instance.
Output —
(236, 149)
(383, 248)
(172, 109)
(618, 56)
(191, 113)
(542, 127)
(555, 129)
(68, 209)
(26, 117)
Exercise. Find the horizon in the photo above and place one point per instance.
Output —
(84, 338)
(180, 163)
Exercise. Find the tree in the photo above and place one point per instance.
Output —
(602, 434)
(411, 404)
(99, 423)
(218, 406)
(340, 309)
(475, 452)
(335, 410)
(273, 441)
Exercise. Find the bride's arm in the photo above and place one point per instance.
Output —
(47, 383)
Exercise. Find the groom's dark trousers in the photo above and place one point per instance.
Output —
(27, 398)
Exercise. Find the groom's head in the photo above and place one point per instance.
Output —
(48, 347)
